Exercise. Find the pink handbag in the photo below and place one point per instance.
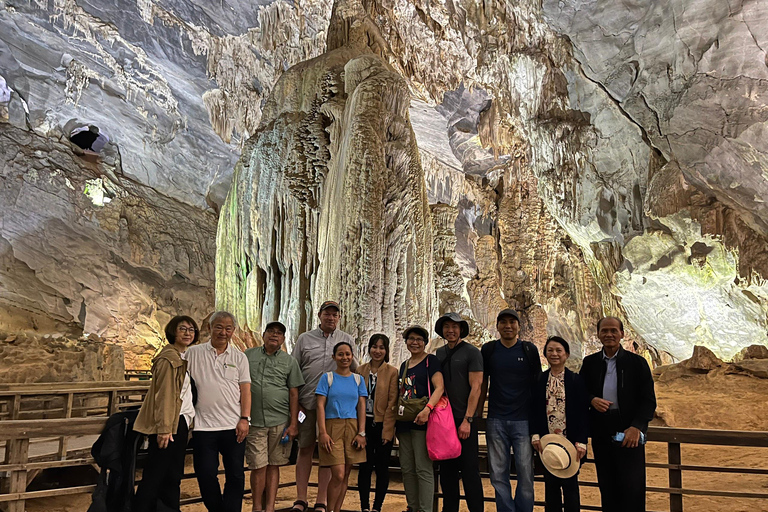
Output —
(442, 439)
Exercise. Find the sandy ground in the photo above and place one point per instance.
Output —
(715, 400)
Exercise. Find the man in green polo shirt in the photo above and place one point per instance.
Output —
(275, 379)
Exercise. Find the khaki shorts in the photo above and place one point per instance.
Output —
(308, 429)
(262, 447)
(342, 433)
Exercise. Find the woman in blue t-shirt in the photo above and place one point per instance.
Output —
(420, 376)
(341, 422)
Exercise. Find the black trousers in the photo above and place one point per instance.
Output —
(159, 487)
(561, 491)
(467, 467)
(377, 458)
(620, 475)
(208, 446)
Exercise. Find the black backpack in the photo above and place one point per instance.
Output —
(115, 453)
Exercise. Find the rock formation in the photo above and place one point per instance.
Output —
(600, 158)
(25, 359)
(329, 202)
(706, 392)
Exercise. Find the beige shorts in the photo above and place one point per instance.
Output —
(342, 432)
(308, 429)
(262, 447)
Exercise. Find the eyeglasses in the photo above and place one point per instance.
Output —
(274, 330)
(416, 338)
(190, 330)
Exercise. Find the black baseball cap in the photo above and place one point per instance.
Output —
(508, 312)
(275, 324)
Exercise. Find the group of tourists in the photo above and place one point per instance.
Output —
(251, 406)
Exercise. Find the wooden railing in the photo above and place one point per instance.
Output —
(19, 468)
(68, 400)
(138, 375)
(675, 437)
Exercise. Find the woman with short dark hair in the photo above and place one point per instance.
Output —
(381, 382)
(420, 377)
(560, 407)
(165, 417)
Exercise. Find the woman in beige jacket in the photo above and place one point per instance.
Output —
(165, 416)
(381, 381)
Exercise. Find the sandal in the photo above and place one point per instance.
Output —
(320, 506)
(302, 503)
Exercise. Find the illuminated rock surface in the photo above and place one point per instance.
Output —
(59, 359)
(600, 157)
(86, 250)
(329, 202)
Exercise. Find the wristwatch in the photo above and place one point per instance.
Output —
(361, 434)
(469, 419)
(246, 418)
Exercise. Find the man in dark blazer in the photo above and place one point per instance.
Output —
(622, 401)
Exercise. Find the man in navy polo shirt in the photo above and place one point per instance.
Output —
(513, 367)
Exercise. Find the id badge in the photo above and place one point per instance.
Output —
(369, 406)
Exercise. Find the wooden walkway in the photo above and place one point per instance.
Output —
(73, 415)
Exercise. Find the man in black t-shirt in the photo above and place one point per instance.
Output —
(513, 367)
(462, 367)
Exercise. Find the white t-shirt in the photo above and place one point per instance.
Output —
(217, 379)
(187, 407)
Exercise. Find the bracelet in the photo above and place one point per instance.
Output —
(430, 407)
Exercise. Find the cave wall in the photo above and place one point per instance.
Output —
(86, 250)
(600, 158)
(584, 87)
(32, 358)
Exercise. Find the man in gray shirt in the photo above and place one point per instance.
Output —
(462, 366)
(314, 352)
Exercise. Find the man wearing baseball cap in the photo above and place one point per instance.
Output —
(513, 368)
(275, 382)
(462, 367)
(314, 353)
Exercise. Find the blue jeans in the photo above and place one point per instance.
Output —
(501, 435)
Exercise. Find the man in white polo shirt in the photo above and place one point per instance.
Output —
(222, 414)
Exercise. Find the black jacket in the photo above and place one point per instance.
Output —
(576, 407)
(115, 453)
(637, 397)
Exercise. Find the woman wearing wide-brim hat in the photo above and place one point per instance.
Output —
(559, 424)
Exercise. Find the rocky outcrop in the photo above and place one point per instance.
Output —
(30, 358)
(449, 283)
(702, 360)
(329, 202)
(751, 352)
(705, 392)
(86, 250)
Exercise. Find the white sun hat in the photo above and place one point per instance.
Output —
(559, 456)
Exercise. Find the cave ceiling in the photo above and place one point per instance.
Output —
(590, 157)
